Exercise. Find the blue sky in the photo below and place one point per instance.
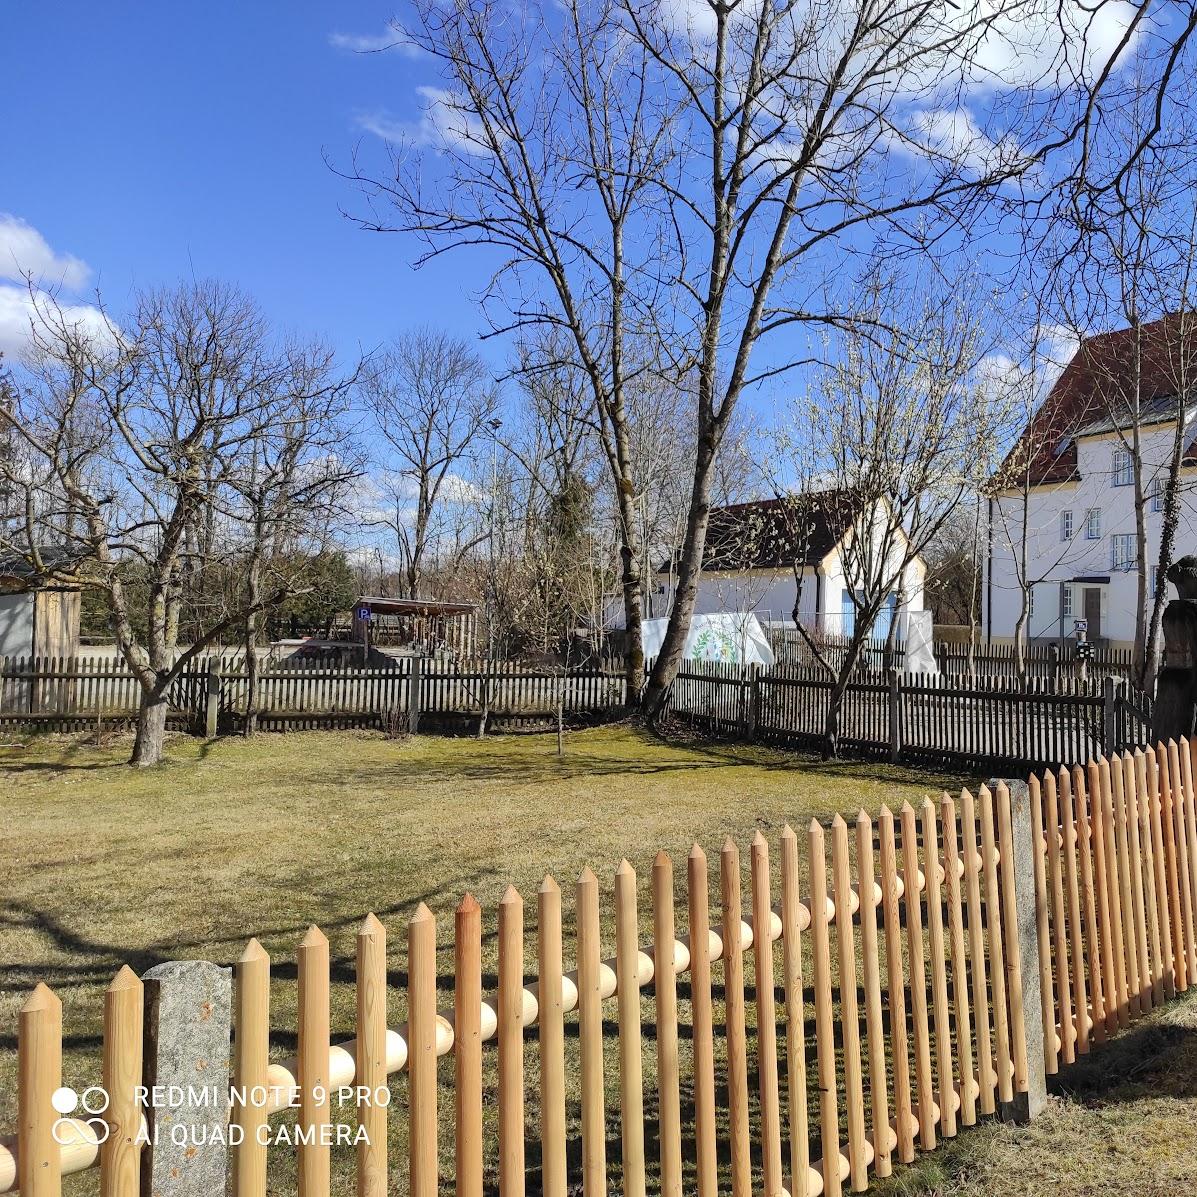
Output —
(154, 141)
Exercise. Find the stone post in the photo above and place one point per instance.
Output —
(188, 1032)
(1175, 712)
(212, 699)
(1026, 1106)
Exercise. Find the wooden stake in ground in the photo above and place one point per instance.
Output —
(551, 1028)
(314, 1103)
(371, 1057)
(467, 1045)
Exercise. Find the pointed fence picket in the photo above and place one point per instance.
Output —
(885, 967)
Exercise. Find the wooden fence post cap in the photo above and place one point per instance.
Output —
(696, 852)
(42, 998)
(788, 833)
(729, 847)
(547, 886)
(371, 927)
(587, 877)
(837, 822)
(907, 809)
(625, 869)
(758, 839)
(422, 915)
(928, 805)
(315, 938)
(125, 978)
(662, 860)
(816, 828)
(254, 951)
(511, 897)
(885, 815)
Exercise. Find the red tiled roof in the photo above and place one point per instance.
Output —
(1096, 383)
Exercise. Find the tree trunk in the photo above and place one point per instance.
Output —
(250, 726)
(689, 574)
(835, 699)
(151, 730)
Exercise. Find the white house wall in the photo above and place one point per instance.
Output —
(1054, 562)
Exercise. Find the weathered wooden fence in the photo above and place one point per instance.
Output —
(64, 694)
(907, 977)
(1041, 662)
(917, 717)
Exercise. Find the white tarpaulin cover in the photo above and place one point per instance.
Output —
(732, 636)
(920, 647)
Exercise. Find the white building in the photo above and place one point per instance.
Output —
(1079, 525)
(758, 554)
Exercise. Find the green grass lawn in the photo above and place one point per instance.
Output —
(104, 866)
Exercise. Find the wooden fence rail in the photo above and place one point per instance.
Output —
(848, 1082)
(917, 717)
(1040, 662)
(65, 694)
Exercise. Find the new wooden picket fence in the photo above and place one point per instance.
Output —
(849, 1075)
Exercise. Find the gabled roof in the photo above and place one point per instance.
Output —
(61, 566)
(777, 533)
(1096, 390)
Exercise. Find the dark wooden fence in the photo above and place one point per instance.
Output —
(933, 720)
(66, 694)
(1041, 662)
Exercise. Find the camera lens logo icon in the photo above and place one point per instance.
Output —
(93, 1130)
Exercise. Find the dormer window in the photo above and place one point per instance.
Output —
(1124, 468)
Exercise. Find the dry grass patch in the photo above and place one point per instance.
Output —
(105, 865)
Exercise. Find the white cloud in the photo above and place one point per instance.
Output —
(25, 252)
(392, 37)
(952, 135)
(444, 124)
(21, 309)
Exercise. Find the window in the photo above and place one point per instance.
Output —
(1123, 551)
(1065, 525)
(1093, 523)
(1066, 602)
(1155, 579)
(1124, 468)
(1031, 601)
(1157, 494)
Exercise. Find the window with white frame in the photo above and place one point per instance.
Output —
(1093, 523)
(1155, 579)
(1122, 555)
(1065, 525)
(1066, 602)
(1124, 468)
(1157, 494)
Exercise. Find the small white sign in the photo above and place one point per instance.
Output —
(1080, 625)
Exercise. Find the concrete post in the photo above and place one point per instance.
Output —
(1026, 1106)
(413, 695)
(212, 699)
(188, 1031)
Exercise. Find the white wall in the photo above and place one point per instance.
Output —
(1056, 560)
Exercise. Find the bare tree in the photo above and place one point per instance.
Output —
(433, 399)
(133, 438)
(884, 452)
(698, 171)
(290, 495)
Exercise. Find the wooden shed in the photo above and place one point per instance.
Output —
(39, 612)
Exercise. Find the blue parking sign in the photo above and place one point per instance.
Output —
(363, 613)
